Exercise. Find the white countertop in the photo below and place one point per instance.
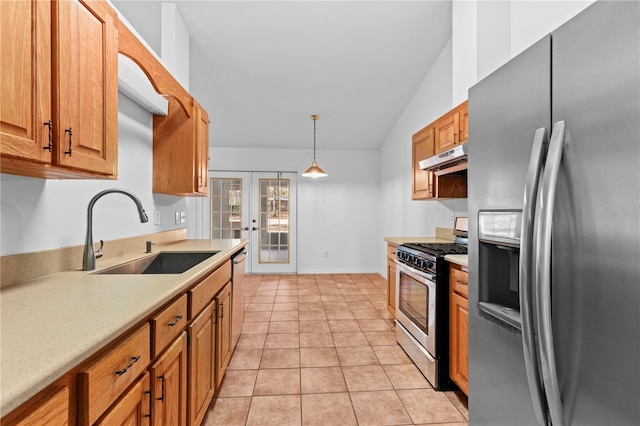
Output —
(53, 323)
(460, 259)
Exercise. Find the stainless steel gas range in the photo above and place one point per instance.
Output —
(422, 307)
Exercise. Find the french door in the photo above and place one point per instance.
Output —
(261, 207)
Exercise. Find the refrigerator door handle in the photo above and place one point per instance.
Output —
(527, 290)
(542, 275)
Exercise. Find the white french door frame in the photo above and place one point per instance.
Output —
(250, 217)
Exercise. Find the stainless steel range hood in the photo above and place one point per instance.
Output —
(450, 161)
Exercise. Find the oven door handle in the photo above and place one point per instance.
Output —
(417, 275)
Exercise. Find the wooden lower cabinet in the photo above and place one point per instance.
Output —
(134, 408)
(459, 328)
(202, 383)
(223, 331)
(169, 384)
(391, 278)
(163, 372)
(51, 409)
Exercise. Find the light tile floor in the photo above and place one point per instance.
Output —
(321, 350)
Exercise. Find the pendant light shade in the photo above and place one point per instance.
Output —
(314, 171)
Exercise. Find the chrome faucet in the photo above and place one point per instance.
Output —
(89, 257)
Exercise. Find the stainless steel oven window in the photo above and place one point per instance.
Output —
(416, 305)
(414, 302)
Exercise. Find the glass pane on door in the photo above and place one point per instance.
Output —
(274, 220)
(226, 207)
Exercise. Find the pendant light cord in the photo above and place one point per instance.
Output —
(314, 139)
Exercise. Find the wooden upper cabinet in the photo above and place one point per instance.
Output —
(86, 86)
(464, 121)
(181, 151)
(452, 128)
(422, 147)
(447, 129)
(25, 81)
(59, 107)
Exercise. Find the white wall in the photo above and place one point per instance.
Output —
(337, 213)
(174, 43)
(41, 214)
(487, 34)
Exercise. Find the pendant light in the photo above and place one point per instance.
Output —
(314, 171)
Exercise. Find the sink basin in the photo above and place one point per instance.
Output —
(165, 262)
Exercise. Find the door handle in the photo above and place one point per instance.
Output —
(246, 228)
(527, 292)
(542, 250)
(254, 228)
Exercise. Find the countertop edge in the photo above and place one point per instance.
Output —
(459, 259)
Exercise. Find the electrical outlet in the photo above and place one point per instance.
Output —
(183, 217)
(452, 217)
(157, 221)
(326, 254)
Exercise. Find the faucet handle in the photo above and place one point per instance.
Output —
(98, 252)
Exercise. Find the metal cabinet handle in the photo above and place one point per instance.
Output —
(148, 392)
(161, 396)
(70, 134)
(134, 359)
(222, 310)
(49, 147)
(460, 282)
(527, 293)
(178, 318)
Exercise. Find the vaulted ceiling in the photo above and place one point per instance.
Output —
(261, 68)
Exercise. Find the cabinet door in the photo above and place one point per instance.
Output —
(169, 383)
(52, 409)
(447, 131)
(25, 80)
(223, 331)
(422, 147)
(464, 121)
(459, 338)
(202, 147)
(202, 342)
(391, 278)
(85, 92)
(134, 408)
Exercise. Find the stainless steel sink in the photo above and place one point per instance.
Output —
(166, 262)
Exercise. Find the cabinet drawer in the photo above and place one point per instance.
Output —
(391, 251)
(168, 324)
(201, 295)
(459, 281)
(102, 382)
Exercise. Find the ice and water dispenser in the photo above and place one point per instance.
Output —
(499, 260)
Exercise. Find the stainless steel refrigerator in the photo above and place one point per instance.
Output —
(554, 228)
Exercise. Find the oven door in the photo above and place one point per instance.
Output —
(416, 305)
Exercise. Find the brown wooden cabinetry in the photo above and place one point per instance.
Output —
(59, 104)
(169, 384)
(452, 128)
(50, 409)
(391, 278)
(459, 327)
(134, 408)
(446, 132)
(149, 375)
(422, 147)
(223, 331)
(181, 151)
(202, 383)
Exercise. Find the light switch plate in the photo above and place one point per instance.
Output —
(183, 217)
(177, 217)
